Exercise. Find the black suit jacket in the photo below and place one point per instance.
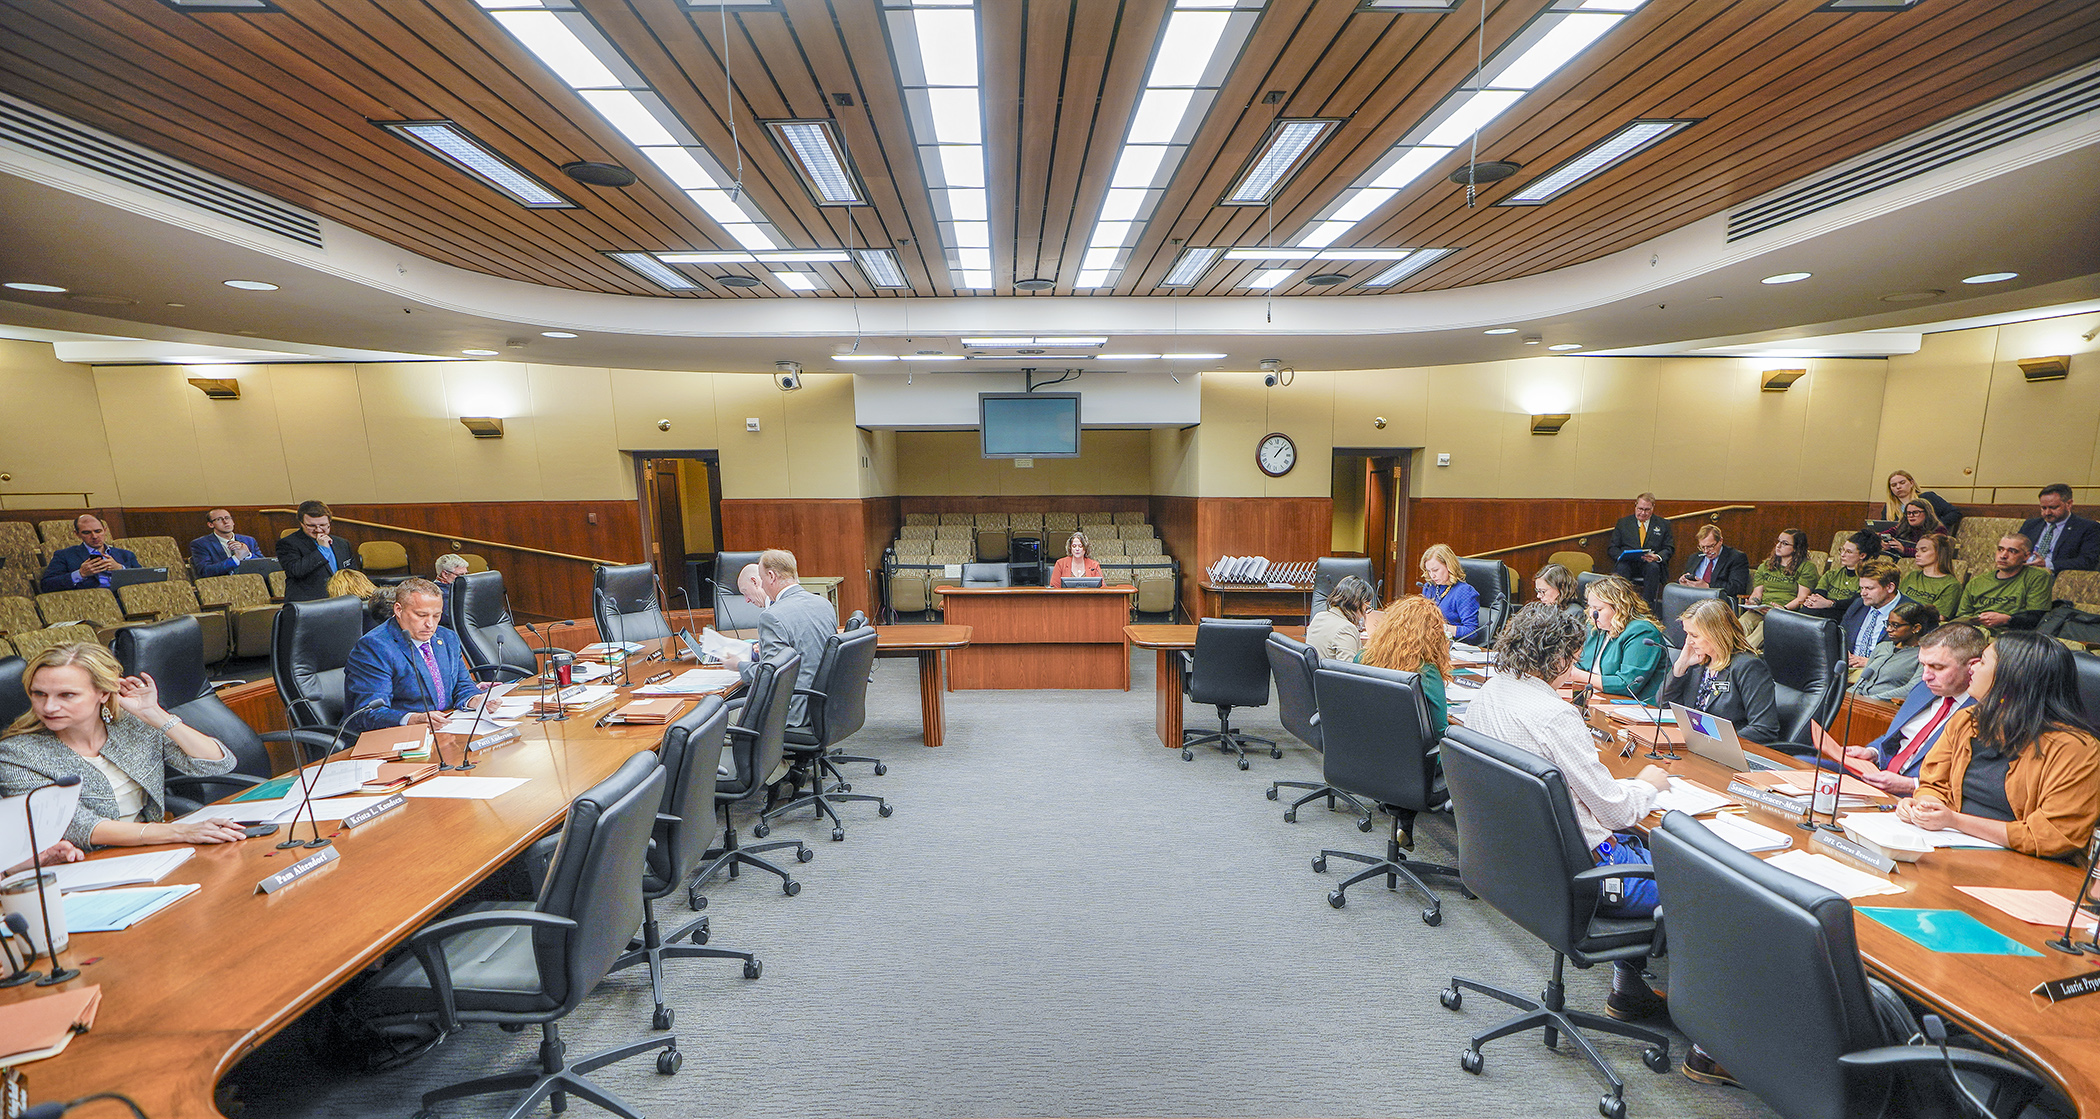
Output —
(1731, 571)
(306, 570)
(58, 575)
(2079, 548)
(1856, 616)
(1747, 699)
(1626, 536)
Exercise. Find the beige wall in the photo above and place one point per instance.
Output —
(1961, 416)
(937, 463)
(51, 434)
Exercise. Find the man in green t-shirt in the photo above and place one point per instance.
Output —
(2013, 596)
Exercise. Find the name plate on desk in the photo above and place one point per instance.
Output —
(298, 870)
(1839, 845)
(2069, 987)
(362, 815)
(1767, 799)
(494, 738)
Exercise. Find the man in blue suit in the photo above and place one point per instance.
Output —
(411, 665)
(1946, 657)
(219, 551)
(88, 563)
(1866, 619)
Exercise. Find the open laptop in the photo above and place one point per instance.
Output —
(125, 577)
(1713, 738)
(256, 567)
(1089, 584)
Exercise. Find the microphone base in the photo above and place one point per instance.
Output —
(19, 978)
(317, 841)
(288, 844)
(2062, 944)
(557, 717)
(59, 975)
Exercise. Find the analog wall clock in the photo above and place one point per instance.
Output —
(1276, 454)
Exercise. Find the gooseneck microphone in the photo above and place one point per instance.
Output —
(1655, 742)
(13, 946)
(58, 974)
(306, 801)
(430, 715)
(1808, 823)
(52, 1109)
(2065, 943)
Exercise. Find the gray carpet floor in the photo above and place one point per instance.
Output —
(1061, 919)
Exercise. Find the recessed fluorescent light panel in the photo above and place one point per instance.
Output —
(880, 267)
(813, 146)
(1190, 60)
(1414, 262)
(1868, 6)
(1006, 341)
(798, 281)
(449, 142)
(1554, 38)
(1598, 158)
(1267, 278)
(933, 45)
(1289, 144)
(566, 40)
(1407, 5)
(1191, 267)
(222, 5)
(654, 270)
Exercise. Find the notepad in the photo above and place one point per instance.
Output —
(123, 870)
(1947, 930)
(2036, 907)
(1684, 796)
(117, 910)
(1888, 831)
(1832, 875)
(1747, 835)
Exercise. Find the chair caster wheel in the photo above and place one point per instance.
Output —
(1272, 795)
(838, 835)
(1471, 1061)
(1612, 1107)
(762, 829)
(661, 1020)
(881, 769)
(803, 855)
(1187, 757)
(1364, 825)
(1451, 998)
(845, 788)
(667, 1062)
(1657, 1060)
(700, 934)
(425, 1113)
(1432, 917)
(884, 810)
(1290, 815)
(753, 968)
(1319, 864)
(695, 899)
(1244, 764)
(1276, 753)
(791, 887)
(1337, 899)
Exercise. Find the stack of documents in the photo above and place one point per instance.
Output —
(693, 681)
(582, 696)
(117, 910)
(1748, 835)
(2036, 907)
(33, 1029)
(1833, 875)
(123, 870)
(1885, 829)
(646, 712)
(600, 648)
(1684, 796)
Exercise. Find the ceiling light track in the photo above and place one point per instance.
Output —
(934, 47)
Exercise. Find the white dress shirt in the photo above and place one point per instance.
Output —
(1527, 713)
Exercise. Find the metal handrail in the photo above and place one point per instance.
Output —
(1715, 511)
(448, 536)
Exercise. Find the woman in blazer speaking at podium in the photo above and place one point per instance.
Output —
(1077, 563)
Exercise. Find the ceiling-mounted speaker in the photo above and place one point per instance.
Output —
(599, 174)
(1484, 172)
(737, 281)
(1034, 283)
(2044, 368)
(1780, 380)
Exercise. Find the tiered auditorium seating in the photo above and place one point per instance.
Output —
(929, 544)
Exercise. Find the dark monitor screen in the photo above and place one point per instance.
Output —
(1091, 584)
(1029, 424)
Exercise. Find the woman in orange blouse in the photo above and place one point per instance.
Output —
(1078, 562)
(2022, 767)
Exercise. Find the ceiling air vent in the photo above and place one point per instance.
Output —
(47, 134)
(1989, 126)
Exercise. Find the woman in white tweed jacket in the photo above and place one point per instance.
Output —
(88, 720)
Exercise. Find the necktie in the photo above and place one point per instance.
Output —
(1706, 570)
(2047, 542)
(436, 678)
(1644, 532)
(1869, 633)
(1923, 738)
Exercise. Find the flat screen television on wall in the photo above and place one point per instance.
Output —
(1029, 424)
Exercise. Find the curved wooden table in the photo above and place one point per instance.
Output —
(1169, 642)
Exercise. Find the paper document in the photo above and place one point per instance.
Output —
(336, 808)
(124, 870)
(117, 910)
(600, 648)
(1833, 875)
(447, 787)
(1647, 717)
(474, 722)
(693, 681)
(36, 1028)
(2036, 907)
(1455, 692)
(1748, 835)
(1684, 796)
(713, 644)
(583, 672)
(53, 805)
(1888, 831)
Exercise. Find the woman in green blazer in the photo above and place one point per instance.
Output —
(1624, 652)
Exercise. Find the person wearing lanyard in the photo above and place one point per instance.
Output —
(1444, 585)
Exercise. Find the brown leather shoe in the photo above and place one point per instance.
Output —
(1631, 999)
(1706, 1070)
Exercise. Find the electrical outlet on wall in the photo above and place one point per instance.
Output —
(751, 423)
(1443, 459)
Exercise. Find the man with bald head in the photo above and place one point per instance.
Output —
(754, 591)
(88, 563)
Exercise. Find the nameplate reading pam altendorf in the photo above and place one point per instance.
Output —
(298, 870)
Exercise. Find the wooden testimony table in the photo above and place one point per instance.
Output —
(1170, 642)
(1035, 637)
(1987, 994)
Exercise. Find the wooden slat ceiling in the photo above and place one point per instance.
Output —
(284, 102)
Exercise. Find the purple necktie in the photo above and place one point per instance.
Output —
(431, 663)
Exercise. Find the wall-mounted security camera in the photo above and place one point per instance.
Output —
(1271, 368)
(788, 375)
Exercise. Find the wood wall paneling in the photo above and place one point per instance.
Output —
(879, 520)
(1175, 520)
(827, 535)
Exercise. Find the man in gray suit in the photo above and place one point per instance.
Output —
(793, 617)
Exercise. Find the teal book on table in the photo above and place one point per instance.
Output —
(1946, 930)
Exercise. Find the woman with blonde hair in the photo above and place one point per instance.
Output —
(89, 721)
(1718, 674)
(1076, 563)
(1411, 638)
(378, 603)
(1444, 585)
(1902, 487)
(1338, 631)
(1623, 654)
(1934, 581)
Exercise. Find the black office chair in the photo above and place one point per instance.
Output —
(533, 966)
(691, 749)
(1583, 579)
(987, 575)
(1376, 727)
(624, 603)
(2086, 666)
(1329, 570)
(1489, 578)
(1807, 658)
(1676, 599)
(1291, 665)
(731, 609)
(838, 705)
(1831, 1042)
(1520, 846)
(1228, 668)
(14, 701)
(481, 618)
(756, 742)
(310, 644)
(172, 652)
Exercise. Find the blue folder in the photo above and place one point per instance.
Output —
(1947, 930)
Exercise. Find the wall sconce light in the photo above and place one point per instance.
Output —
(1780, 380)
(2046, 368)
(218, 388)
(483, 427)
(1549, 423)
